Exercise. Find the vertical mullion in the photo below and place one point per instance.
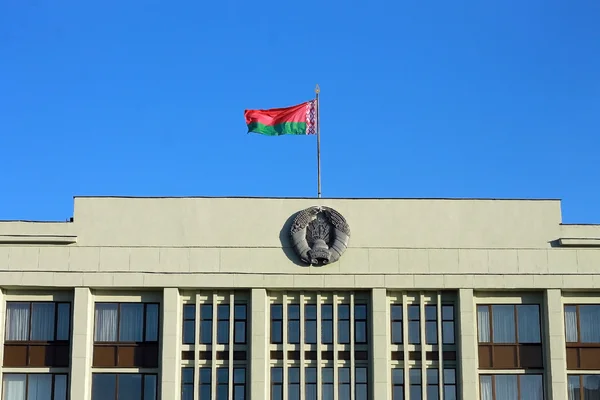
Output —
(302, 325)
(284, 329)
(319, 347)
(516, 320)
(197, 324)
(406, 386)
(118, 322)
(30, 320)
(491, 326)
(230, 343)
(116, 386)
(578, 323)
(493, 387)
(144, 311)
(334, 324)
(352, 363)
(55, 320)
(213, 347)
(423, 341)
(439, 327)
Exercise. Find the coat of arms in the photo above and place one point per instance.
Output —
(319, 235)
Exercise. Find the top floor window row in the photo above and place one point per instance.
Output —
(582, 323)
(207, 316)
(126, 322)
(431, 322)
(37, 321)
(509, 323)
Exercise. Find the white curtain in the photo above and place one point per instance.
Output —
(589, 318)
(483, 322)
(506, 387)
(39, 387)
(152, 322)
(42, 321)
(485, 387)
(591, 387)
(574, 387)
(17, 321)
(571, 323)
(532, 387)
(503, 323)
(529, 323)
(106, 322)
(132, 322)
(60, 387)
(14, 386)
(63, 321)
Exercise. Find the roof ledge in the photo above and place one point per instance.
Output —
(37, 239)
(579, 242)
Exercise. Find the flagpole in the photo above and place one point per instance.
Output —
(317, 91)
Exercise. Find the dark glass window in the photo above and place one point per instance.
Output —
(310, 379)
(310, 323)
(414, 375)
(189, 323)
(205, 376)
(124, 386)
(414, 331)
(396, 314)
(344, 383)
(222, 383)
(206, 323)
(361, 386)
(294, 383)
(433, 382)
(126, 322)
(584, 387)
(360, 323)
(223, 324)
(239, 384)
(239, 327)
(343, 324)
(327, 324)
(449, 384)
(293, 323)
(397, 384)
(431, 324)
(327, 383)
(187, 383)
(38, 321)
(276, 383)
(34, 386)
(276, 324)
(448, 324)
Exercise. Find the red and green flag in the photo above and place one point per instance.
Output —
(300, 119)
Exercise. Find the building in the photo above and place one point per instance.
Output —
(207, 298)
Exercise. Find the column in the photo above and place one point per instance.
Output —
(170, 364)
(467, 346)
(259, 372)
(82, 346)
(554, 345)
(381, 372)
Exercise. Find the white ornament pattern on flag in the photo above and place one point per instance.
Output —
(311, 117)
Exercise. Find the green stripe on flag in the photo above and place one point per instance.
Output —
(286, 128)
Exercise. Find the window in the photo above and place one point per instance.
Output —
(449, 384)
(344, 383)
(310, 323)
(343, 324)
(126, 322)
(37, 321)
(37, 334)
(327, 385)
(276, 323)
(239, 327)
(126, 335)
(431, 324)
(276, 383)
(360, 323)
(414, 331)
(189, 323)
(293, 383)
(293, 323)
(518, 387)
(34, 386)
(414, 375)
(239, 384)
(582, 331)
(327, 324)
(397, 384)
(433, 388)
(509, 336)
(310, 378)
(205, 376)
(361, 387)
(584, 387)
(124, 387)
(448, 324)
(206, 322)
(222, 383)
(187, 383)
(223, 323)
(396, 314)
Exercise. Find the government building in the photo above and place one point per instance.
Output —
(277, 299)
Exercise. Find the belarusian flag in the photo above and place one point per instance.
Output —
(295, 120)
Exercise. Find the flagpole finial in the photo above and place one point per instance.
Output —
(317, 89)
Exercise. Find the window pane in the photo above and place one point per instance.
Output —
(206, 312)
(276, 332)
(431, 332)
(222, 391)
(485, 387)
(189, 311)
(277, 392)
(311, 391)
(187, 392)
(397, 376)
(294, 375)
(327, 375)
(483, 324)
(151, 322)
(343, 332)
(17, 321)
(396, 312)
(222, 375)
(240, 311)
(344, 375)
(574, 387)
(14, 386)
(239, 392)
(239, 375)
(450, 392)
(42, 321)
(503, 323)
(293, 311)
(413, 312)
(344, 391)
(506, 387)
(414, 333)
(205, 375)
(104, 386)
(360, 311)
(223, 311)
(106, 322)
(327, 311)
(397, 332)
(206, 332)
(187, 375)
(360, 332)
(415, 392)
(276, 311)
(360, 375)
(310, 374)
(293, 331)
(310, 332)
(361, 391)
(150, 387)
(528, 323)
(223, 332)
(447, 313)
(414, 376)
(39, 387)
(433, 392)
(398, 393)
(531, 387)
(131, 323)
(450, 376)
(571, 323)
(591, 387)
(277, 375)
(432, 376)
(327, 332)
(310, 311)
(343, 311)
(63, 321)
(589, 319)
(448, 332)
(240, 332)
(431, 313)
(130, 386)
(189, 332)
(60, 387)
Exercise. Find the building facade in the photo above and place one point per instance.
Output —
(213, 298)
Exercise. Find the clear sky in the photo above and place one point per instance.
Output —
(435, 98)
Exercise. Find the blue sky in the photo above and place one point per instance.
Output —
(419, 99)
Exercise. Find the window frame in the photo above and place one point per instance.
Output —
(192, 320)
(340, 320)
(53, 375)
(399, 321)
(237, 320)
(314, 320)
(226, 318)
(276, 384)
(516, 324)
(453, 321)
(581, 387)
(493, 376)
(364, 320)
(578, 343)
(297, 320)
(119, 374)
(273, 320)
(144, 323)
(29, 322)
(397, 385)
(331, 321)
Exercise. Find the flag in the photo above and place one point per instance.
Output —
(300, 119)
